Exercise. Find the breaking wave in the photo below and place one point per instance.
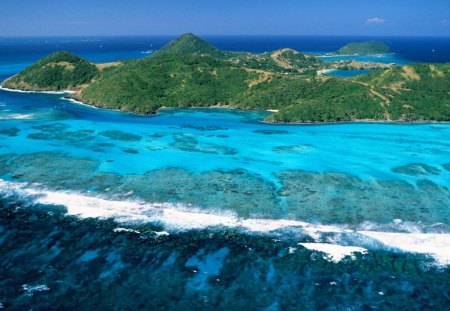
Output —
(336, 241)
(36, 92)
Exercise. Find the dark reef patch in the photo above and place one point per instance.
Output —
(155, 148)
(417, 169)
(121, 136)
(13, 131)
(328, 198)
(292, 149)
(75, 138)
(54, 127)
(204, 128)
(341, 198)
(271, 132)
(188, 142)
(159, 134)
(238, 190)
(130, 150)
(54, 169)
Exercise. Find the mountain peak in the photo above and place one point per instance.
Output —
(188, 35)
(190, 44)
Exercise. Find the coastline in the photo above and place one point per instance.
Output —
(36, 92)
(359, 121)
(349, 55)
(77, 102)
(362, 121)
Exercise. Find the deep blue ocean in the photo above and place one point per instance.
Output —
(211, 209)
(103, 49)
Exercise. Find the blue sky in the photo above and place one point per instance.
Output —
(233, 17)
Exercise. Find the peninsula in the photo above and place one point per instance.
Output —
(189, 72)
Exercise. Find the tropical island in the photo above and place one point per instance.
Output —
(367, 47)
(189, 72)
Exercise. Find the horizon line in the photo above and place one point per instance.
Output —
(225, 35)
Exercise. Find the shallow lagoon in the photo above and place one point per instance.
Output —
(229, 159)
(347, 73)
(376, 58)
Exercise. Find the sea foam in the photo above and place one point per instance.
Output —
(179, 217)
(334, 252)
(37, 92)
(17, 116)
(77, 102)
(436, 245)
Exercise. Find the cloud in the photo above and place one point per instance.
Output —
(375, 20)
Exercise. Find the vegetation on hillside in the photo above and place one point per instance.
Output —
(283, 61)
(190, 44)
(169, 81)
(191, 73)
(58, 71)
(415, 92)
(368, 47)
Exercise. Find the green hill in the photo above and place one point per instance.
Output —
(368, 47)
(58, 71)
(188, 72)
(166, 80)
(190, 44)
(414, 92)
(411, 93)
(284, 60)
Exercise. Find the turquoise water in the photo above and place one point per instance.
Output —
(199, 143)
(377, 58)
(214, 209)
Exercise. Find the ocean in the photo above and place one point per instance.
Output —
(210, 209)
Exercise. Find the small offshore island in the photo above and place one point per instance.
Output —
(189, 72)
(368, 47)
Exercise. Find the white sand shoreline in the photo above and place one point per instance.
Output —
(77, 102)
(359, 121)
(37, 92)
